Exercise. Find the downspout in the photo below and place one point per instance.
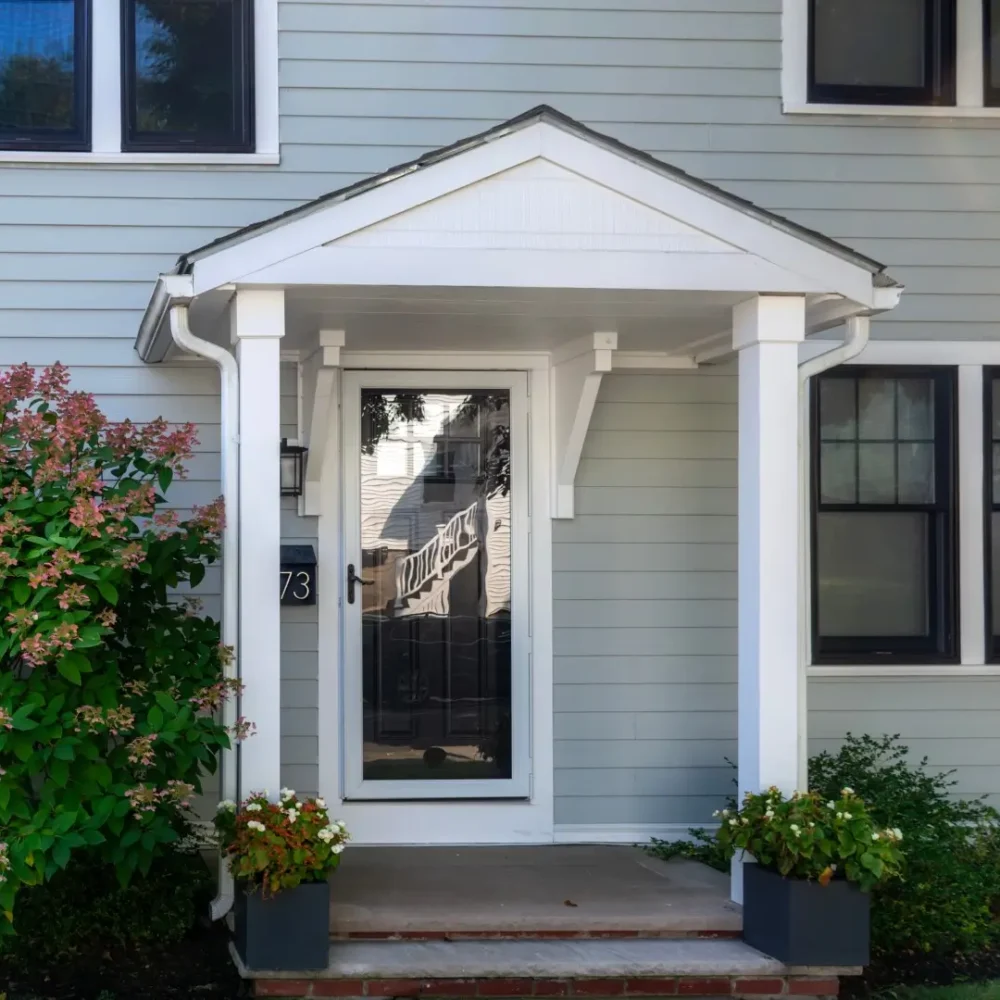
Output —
(230, 382)
(856, 340)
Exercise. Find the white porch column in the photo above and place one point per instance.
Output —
(257, 318)
(767, 331)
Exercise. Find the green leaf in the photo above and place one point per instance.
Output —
(108, 591)
(69, 668)
(64, 750)
(22, 718)
(21, 591)
(165, 477)
(155, 718)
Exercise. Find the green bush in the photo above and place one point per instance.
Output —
(951, 874)
(702, 846)
(84, 910)
(107, 686)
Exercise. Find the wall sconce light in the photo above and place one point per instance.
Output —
(293, 468)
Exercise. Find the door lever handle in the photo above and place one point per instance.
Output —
(352, 579)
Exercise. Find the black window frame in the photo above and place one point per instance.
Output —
(991, 94)
(991, 374)
(76, 140)
(244, 54)
(941, 56)
(941, 645)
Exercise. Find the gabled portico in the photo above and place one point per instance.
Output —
(545, 251)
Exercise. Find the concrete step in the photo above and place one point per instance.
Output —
(594, 968)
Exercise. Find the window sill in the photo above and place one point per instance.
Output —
(129, 159)
(919, 670)
(890, 110)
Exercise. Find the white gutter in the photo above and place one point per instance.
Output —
(230, 391)
(858, 329)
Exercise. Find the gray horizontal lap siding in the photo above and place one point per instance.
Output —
(696, 82)
(645, 606)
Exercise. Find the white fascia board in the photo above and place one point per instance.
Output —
(524, 268)
(828, 271)
(342, 217)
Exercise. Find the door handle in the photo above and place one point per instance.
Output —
(352, 579)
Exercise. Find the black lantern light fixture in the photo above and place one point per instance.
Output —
(293, 468)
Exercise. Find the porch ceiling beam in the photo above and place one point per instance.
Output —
(576, 374)
(317, 378)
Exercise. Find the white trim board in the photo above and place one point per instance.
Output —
(914, 352)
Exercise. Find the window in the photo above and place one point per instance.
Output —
(44, 75)
(882, 51)
(187, 71)
(992, 386)
(883, 526)
(991, 48)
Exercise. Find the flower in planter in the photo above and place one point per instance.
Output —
(802, 837)
(273, 846)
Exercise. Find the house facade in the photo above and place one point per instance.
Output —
(594, 510)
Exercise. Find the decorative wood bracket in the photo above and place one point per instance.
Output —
(317, 379)
(576, 373)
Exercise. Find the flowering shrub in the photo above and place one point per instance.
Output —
(275, 846)
(808, 838)
(106, 685)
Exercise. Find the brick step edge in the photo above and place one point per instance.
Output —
(666, 986)
(534, 935)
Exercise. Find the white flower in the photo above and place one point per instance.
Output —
(732, 822)
(812, 826)
(287, 793)
(293, 815)
(327, 834)
(745, 821)
(848, 816)
(226, 805)
(797, 832)
(769, 814)
(255, 825)
(846, 792)
(795, 828)
(840, 815)
(875, 836)
(341, 824)
(321, 803)
(897, 833)
(254, 807)
(831, 805)
(337, 848)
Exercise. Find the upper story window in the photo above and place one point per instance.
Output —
(884, 569)
(912, 57)
(142, 80)
(187, 75)
(44, 74)
(882, 51)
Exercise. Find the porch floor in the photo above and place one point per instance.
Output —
(546, 891)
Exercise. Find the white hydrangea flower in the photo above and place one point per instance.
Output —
(255, 825)
(254, 807)
(226, 805)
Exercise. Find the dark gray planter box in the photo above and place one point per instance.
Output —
(287, 932)
(805, 923)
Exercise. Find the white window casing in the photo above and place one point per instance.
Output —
(969, 72)
(106, 99)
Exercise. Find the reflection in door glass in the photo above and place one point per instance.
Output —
(435, 540)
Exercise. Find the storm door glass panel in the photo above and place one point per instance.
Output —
(436, 605)
(993, 507)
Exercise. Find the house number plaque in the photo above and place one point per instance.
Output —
(297, 580)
